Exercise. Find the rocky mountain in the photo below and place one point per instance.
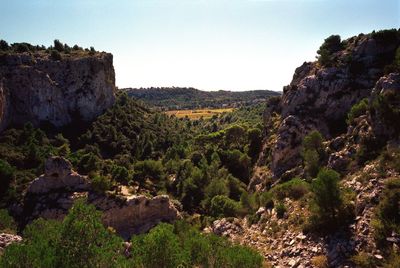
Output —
(43, 89)
(321, 95)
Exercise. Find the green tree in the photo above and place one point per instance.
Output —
(223, 206)
(331, 45)
(327, 195)
(7, 173)
(58, 45)
(312, 152)
(254, 136)
(162, 249)
(84, 241)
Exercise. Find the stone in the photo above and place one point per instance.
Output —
(319, 98)
(52, 194)
(58, 176)
(8, 239)
(40, 90)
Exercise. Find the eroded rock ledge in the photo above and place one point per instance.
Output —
(52, 194)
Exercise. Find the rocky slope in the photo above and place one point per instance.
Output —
(320, 97)
(52, 194)
(36, 88)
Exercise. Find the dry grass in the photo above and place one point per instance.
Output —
(198, 113)
(320, 261)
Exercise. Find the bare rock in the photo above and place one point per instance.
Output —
(38, 89)
(51, 196)
(58, 176)
(8, 239)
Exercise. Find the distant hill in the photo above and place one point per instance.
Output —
(190, 98)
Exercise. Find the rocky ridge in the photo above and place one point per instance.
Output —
(35, 88)
(319, 97)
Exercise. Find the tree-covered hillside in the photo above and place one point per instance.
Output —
(172, 98)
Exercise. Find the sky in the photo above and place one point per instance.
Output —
(206, 44)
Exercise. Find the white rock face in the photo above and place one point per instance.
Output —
(58, 176)
(52, 194)
(40, 90)
(320, 97)
(8, 239)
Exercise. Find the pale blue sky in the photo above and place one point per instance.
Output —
(207, 44)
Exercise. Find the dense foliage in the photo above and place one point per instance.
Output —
(81, 240)
(172, 98)
(205, 164)
(56, 51)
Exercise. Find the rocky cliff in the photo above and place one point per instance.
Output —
(36, 88)
(321, 95)
(51, 196)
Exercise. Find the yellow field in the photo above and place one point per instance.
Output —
(198, 113)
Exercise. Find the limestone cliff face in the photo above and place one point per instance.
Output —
(51, 196)
(320, 97)
(35, 88)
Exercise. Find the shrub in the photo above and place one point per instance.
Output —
(294, 189)
(120, 174)
(149, 169)
(280, 210)
(387, 215)
(55, 55)
(159, 248)
(331, 45)
(364, 260)
(320, 261)
(254, 136)
(312, 152)
(100, 183)
(7, 223)
(21, 47)
(357, 110)
(388, 36)
(7, 173)
(327, 199)
(58, 45)
(80, 240)
(4, 45)
(223, 206)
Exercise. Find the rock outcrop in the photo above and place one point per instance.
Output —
(8, 239)
(372, 129)
(51, 196)
(35, 88)
(320, 97)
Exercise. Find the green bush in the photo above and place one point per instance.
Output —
(100, 183)
(223, 206)
(387, 215)
(80, 240)
(313, 152)
(55, 55)
(357, 110)
(58, 45)
(294, 189)
(4, 46)
(327, 198)
(385, 37)
(280, 210)
(7, 223)
(7, 173)
(331, 45)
